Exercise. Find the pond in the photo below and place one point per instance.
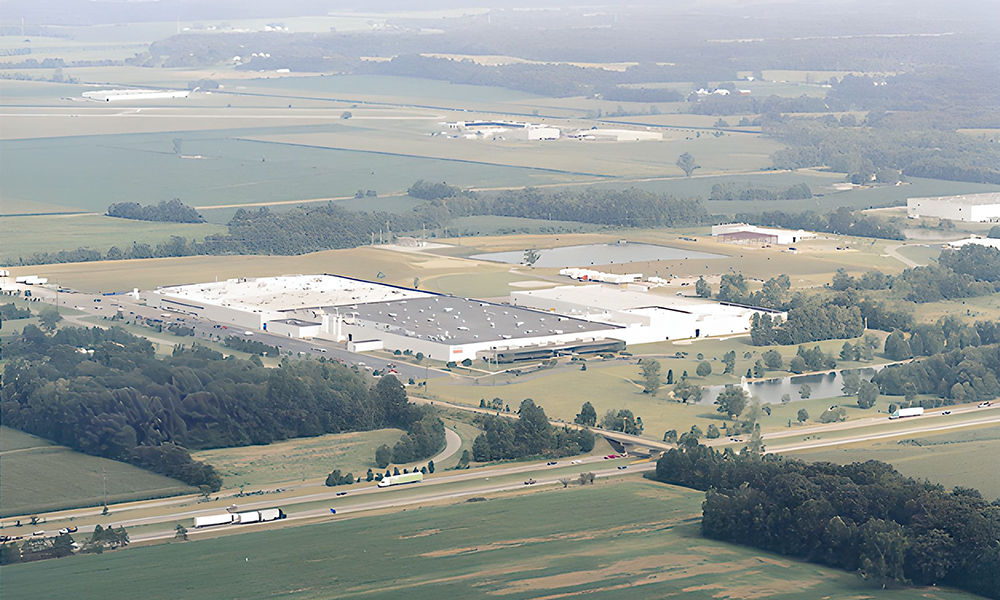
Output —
(824, 385)
(597, 254)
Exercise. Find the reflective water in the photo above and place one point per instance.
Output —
(825, 385)
(597, 254)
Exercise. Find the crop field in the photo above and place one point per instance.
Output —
(24, 235)
(964, 458)
(40, 477)
(623, 540)
(298, 459)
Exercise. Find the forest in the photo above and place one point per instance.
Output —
(967, 374)
(842, 221)
(529, 435)
(173, 211)
(124, 403)
(862, 517)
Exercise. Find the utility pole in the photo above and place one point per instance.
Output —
(104, 474)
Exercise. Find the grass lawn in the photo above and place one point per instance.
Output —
(632, 539)
(963, 458)
(40, 477)
(23, 236)
(298, 459)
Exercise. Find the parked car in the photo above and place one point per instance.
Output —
(551, 462)
(622, 467)
(985, 405)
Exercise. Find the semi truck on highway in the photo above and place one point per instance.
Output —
(902, 413)
(401, 479)
(253, 516)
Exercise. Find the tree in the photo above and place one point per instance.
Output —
(587, 415)
(688, 392)
(651, 376)
(670, 436)
(702, 288)
(713, 432)
(729, 360)
(786, 398)
(430, 466)
(686, 163)
(759, 370)
(802, 416)
(416, 282)
(383, 456)
(464, 460)
(48, 319)
(531, 256)
(867, 394)
(731, 401)
(994, 233)
(797, 365)
(772, 359)
(852, 382)
(896, 347)
(670, 377)
(882, 551)
(805, 391)
(370, 475)
(704, 369)
(182, 533)
(847, 351)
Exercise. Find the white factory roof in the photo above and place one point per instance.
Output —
(599, 297)
(968, 199)
(287, 292)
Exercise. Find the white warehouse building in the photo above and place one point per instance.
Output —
(644, 317)
(969, 208)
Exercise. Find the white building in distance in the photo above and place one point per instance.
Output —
(123, 95)
(505, 130)
(969, 208)
(742, 233)
(616, 135)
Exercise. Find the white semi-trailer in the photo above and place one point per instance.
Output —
(902, 413)
(253, 516)
(401, 479)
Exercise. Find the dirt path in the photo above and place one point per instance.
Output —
(891, 251)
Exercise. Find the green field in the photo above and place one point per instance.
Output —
(965, 458)
(613, 540)
(40, 477)
(23, 236)
(298, 459)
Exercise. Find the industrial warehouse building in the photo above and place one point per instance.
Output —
(342, 309)
(969, 208)
(505, 130)
(535, 324)
(643, 316)
(742, 233)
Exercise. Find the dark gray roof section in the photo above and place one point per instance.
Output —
(453, 320)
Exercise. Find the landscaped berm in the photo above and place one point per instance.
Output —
(613, 540)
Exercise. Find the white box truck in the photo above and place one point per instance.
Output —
(212, 520)
(401, 479)
(902, 413)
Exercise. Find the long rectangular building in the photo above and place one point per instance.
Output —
(968, 208)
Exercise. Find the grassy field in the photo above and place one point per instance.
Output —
(625, 540)
(298, 459)
(24, 236)
(964, 458)
(40, 477)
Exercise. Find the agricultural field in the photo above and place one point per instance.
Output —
(24, 235)
(964, 458)
(621, 539)
(41, 477)
(298, 459)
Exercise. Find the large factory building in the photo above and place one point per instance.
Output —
(969, 208)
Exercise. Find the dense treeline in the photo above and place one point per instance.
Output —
(429, 190)
(11, 312)
(424, 438)
(969, 374)
(842, 221)
(863, 517)
(970, 271)
(529, 435)
(124, 403)
(173, 211)
(733, 191)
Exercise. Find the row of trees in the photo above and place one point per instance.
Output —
(744, 192)
(842, 221)
(531, 434)
(863, 517)
(970, 374)
(965, 272)
(173, 211)
(11, 312)
(123, 402)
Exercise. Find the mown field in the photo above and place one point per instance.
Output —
(298, 459)
(966, 458)
(613, 540)
(40, 477)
